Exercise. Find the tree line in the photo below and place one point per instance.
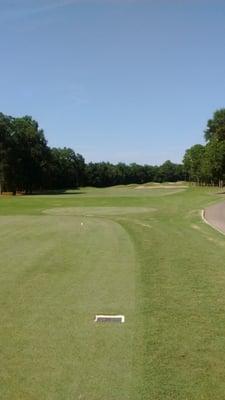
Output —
(205, 164)
(28, 164)
(106, 174)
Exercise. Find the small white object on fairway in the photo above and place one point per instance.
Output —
(82, 223)
(110, 318)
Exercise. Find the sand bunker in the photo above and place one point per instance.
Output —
(162, 187)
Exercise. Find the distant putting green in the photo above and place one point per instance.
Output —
(150, 257)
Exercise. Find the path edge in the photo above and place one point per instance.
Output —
(208, 223)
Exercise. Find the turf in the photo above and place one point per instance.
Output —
(142, 253)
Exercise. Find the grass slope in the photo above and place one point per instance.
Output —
(162, 267)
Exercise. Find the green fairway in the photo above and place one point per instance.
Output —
(143, 252)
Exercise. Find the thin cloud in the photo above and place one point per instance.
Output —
(65, 3)
(51, 4)
(19, 8)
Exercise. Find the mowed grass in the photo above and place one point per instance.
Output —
(143, 253)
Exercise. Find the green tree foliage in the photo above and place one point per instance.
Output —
(6, 148)
(106, 174)
(30, 151)
(27, 163)
(206, 164)
(216, 126)
(193, 162)
(169, 172)
(22, 150)
(214, 162)
(66, 169)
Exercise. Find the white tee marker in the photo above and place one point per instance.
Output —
(110, 318)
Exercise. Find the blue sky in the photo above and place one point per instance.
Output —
(117, 80)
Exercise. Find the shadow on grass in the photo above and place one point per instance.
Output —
(55, 193)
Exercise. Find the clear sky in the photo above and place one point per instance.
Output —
(116, 80)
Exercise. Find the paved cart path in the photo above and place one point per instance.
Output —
(215, 216)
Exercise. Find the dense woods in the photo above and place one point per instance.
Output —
(28, 164)
(205, 164)
(107, 174)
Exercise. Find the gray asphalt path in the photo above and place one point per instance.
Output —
(215, 216)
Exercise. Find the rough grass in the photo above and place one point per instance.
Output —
(164, 270)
